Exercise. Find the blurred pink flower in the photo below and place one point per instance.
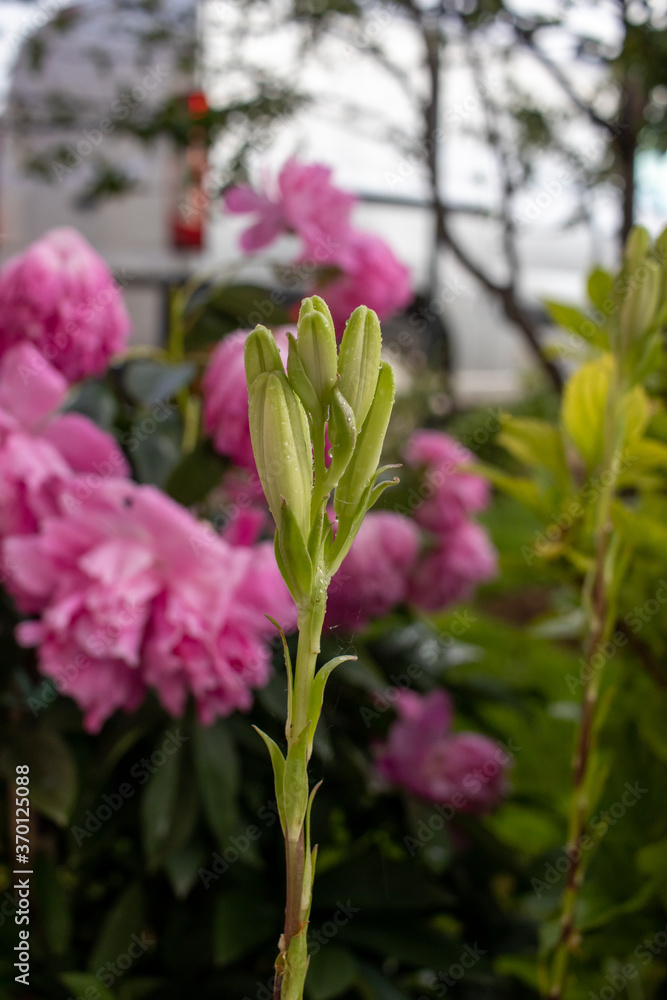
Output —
(134, 593)
(46, 460)
(60, 296)
(373, 578)
(371, 276)
(465, 770)
(306, 203)
(448, 573)
(448, 495)
(226, 398)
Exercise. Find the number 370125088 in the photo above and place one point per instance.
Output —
(22, 809)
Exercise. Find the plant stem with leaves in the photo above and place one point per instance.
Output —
(611, 384)
(347, 394)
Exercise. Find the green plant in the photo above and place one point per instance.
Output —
(596, 476)
(349, 393)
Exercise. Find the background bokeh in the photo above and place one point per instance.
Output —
(462, 167)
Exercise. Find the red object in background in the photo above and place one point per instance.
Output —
(190, 213)
(197, 104)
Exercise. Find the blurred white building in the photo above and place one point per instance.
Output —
(103, 53)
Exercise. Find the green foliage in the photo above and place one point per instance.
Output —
(188, 860)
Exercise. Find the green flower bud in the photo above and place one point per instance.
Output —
(292, 556)
(316, 341)
(299, 381)
(641, 301)
(281, 445)
(359, 361)
(363, 465)
(636, 248)
(261, 354)
(342, 434)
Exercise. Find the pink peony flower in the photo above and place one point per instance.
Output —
(45, 459)
(134, 593)
(305, 203)
(226, 398)
(448, 495)
(449, 573)
(371, 276)
(373, 578)
(60, 296)
(465, 770)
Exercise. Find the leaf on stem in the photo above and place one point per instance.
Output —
(278, 763)
(317, 694)
(288, 668)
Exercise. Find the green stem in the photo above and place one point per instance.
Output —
(596, 598)
(290, 976)
(310, 622)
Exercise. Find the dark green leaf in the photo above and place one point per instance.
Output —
(125, 918)
(80, 982)
(195, 476)
(148, 382)
(241, 923)
(53, 775)
(217, 775)
(332, 970)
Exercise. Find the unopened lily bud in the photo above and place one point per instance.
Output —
(342, 434)
(261, 354)
(359, 361)
(641, 300)
(363, 465)
(281, 445)
(316, 340)
(298, 379)
(636, 248)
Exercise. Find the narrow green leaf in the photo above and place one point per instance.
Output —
(577, 322)
(296, 784)
(278, 763)
(218, 777)
(317, 694)
(310, 857)
(157, 808)
(288, 667)
(126, 917)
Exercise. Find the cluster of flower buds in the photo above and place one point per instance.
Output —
(346, 395)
